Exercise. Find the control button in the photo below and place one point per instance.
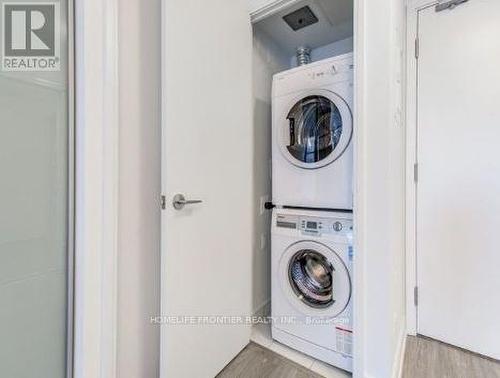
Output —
(337, 226)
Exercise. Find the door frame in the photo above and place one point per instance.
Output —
(269, 9)
(413, 9)
(96, 187)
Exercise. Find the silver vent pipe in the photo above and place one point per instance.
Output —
(303, 56)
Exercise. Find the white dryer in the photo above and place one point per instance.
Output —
(312, 134)
(312, 283)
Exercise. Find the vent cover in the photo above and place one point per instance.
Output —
(301, 18)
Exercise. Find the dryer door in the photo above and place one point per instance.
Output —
(315, 279)
(315, 130)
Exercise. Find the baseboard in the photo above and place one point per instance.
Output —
(397, 369)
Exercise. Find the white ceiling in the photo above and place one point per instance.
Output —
(335, 23)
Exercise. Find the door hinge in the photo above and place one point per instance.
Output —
(449, 5)
(415, 296)
(417, 48)
(415, 172)
(163, 202)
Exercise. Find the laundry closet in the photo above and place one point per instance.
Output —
(303, 73)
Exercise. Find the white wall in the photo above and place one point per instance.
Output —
(343, 46)
(267, 60)
(380, 300)
(139, 223)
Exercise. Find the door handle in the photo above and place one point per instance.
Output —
(180, 201)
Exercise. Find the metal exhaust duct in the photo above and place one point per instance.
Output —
(303, 56)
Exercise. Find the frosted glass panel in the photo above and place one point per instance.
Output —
(35, 176)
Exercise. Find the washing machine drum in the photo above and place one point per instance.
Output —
(315, 279)
(311, 277)
(316, 130)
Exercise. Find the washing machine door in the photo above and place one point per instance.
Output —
(315, 130)
(315, 279)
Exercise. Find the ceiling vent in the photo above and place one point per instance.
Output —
(301, 18)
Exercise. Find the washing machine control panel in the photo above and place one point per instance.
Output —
(309, 225)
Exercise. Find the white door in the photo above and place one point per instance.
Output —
(207, 156)
(458, 189)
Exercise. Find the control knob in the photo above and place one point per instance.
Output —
(337, 226)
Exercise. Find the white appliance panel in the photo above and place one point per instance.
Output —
(306, 318)
(312, 135)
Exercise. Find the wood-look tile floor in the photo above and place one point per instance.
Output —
(257, 362)
(426, 358)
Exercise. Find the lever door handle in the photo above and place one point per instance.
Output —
(180, 201)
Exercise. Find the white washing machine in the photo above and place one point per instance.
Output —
(312, 283)
(312, 135)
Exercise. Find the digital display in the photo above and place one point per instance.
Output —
(286, 224)
(312, 225)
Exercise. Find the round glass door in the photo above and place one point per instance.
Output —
(315, 279)
(317, 130)
(311, 277)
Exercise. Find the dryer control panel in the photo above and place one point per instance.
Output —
(319, 74)
(316, 226)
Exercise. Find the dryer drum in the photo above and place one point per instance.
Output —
(315, 125)
(311, 277)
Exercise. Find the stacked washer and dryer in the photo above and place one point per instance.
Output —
(312, 222)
